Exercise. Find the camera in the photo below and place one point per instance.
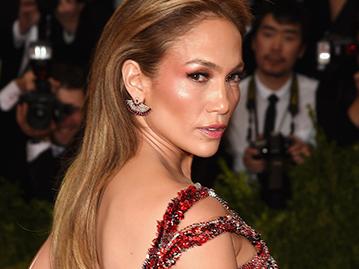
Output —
(43, 106)
(333, 47)
(273, 147)
(274, 150)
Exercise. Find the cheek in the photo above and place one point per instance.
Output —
(235, 97)
(74, 119)
(78, 118)
(293, 51)
(177, 99)
(260, 51)
(261, 44)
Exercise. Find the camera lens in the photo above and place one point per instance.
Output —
(39, 115)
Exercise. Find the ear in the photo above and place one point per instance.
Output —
(135, 81)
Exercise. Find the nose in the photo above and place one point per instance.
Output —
(277, 43)
(220, 100)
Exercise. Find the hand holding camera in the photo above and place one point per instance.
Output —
(21, 118)
(26, 82)
(299, 150)
(252, 162)
(43, 105)
(277, 148)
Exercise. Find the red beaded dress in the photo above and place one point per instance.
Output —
(170, 242)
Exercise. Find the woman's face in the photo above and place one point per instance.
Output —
(196, 88)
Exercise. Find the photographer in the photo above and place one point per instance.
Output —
(65, 24)
(36, 156)
(271, 126)
(338, 93)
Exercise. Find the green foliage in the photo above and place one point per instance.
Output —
(23, 226)
(319, 227)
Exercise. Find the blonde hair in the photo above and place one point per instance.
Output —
(140, 30)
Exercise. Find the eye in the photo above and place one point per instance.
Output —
(235, 77)
(199, 76)
(290, 38)
(267, 33)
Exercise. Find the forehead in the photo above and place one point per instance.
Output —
(212, 39)
(271, 23)
(72, 96)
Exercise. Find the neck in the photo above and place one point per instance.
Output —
(274, 83)
(173, 160)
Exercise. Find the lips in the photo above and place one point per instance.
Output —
(214, 131)
(275, 60)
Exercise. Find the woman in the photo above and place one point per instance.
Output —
(163, 86)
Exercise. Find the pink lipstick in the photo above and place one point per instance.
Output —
(214, 131)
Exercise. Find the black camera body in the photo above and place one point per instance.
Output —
(274, 150)
(335, 47)
(43, 106)
(273, 147)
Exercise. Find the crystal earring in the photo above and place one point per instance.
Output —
(137, 107)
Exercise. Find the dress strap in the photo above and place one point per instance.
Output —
(170, 242)
(178, 207)
(196, 235)
(167, 227)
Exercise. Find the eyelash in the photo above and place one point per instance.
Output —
(235, 77)
(196, 76)
(202, 77)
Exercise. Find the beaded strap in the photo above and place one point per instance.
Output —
(170, 243)
(169, 224)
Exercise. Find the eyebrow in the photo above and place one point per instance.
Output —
(212, 65)
(288, 30)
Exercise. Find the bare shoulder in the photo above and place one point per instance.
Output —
(127, 221)
(42, 258)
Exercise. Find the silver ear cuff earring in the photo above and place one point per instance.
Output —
(137, 107)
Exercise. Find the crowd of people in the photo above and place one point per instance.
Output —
(42, 96)
(289, 88)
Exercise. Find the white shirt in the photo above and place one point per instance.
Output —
(304, 129)
(9, 96)
(24, 40)
(34, 150)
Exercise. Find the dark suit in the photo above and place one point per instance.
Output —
(38, 179)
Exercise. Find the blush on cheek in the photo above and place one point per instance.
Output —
(177, 94)
(183, 92)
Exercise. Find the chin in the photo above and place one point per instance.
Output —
(62, 141)
(206, 151)
(275, 72)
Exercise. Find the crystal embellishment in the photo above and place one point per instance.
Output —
(139, 109)
(170, 242)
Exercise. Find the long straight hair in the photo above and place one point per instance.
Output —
(140, 30)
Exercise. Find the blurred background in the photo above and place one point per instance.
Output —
(45, 55)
